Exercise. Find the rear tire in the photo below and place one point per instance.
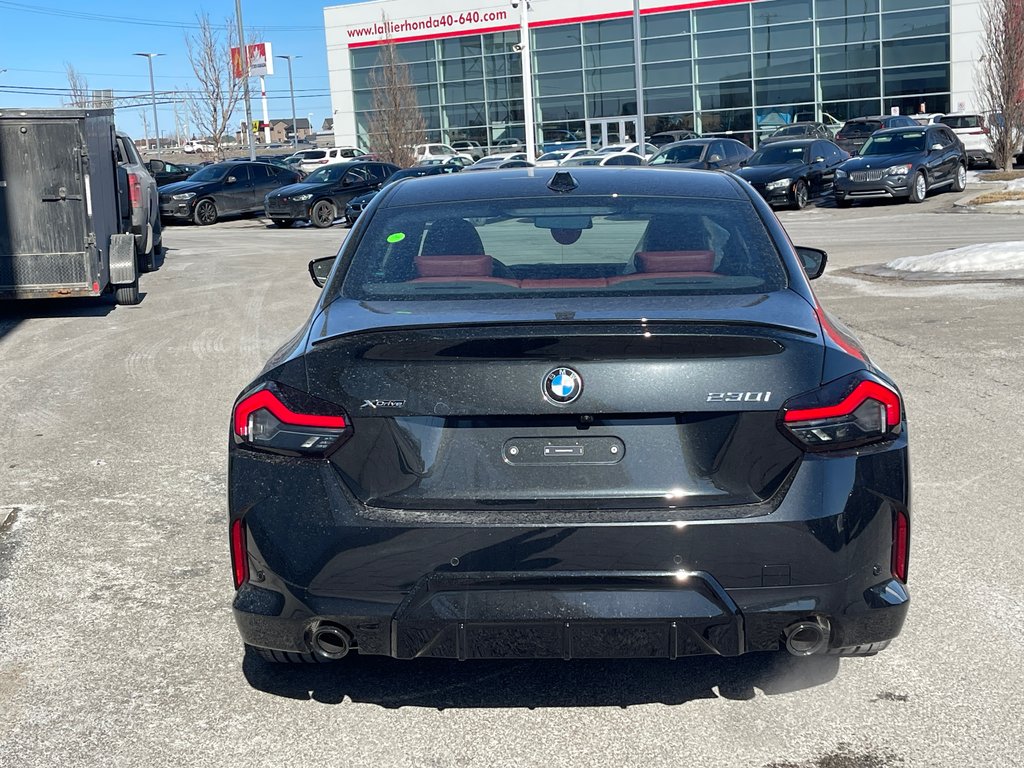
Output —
(918, 188)
(205, 213)
(960, 179)
(287, 657)
(322, 214)
(128, 295)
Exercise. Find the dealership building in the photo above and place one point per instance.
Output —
(715, 67)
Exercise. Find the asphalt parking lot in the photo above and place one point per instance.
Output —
(117, 645)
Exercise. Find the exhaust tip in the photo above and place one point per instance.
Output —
(806, 638)
(329, 641)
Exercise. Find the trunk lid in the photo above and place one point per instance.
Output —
(675, 407)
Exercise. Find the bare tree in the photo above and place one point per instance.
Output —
(213, 103)
(1000, 76)
(78, 87)
(396, 123)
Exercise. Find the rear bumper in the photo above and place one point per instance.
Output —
(593, 587)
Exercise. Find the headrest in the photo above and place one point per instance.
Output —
(676, 261)
(453, 266)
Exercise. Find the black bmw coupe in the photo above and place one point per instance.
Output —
(569, 414)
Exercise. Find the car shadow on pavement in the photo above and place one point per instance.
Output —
(443, 684)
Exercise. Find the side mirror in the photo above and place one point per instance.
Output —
(813, 261)
(155, 166)
(230, 180)
(744, 162)
(346, 182)
(320, 270)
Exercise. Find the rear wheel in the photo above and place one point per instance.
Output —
(918, 188)
(960, 178)
(323, 214)
(205, 213)
(283, 223)
(800, 195)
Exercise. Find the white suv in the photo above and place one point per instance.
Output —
(315, 158)
(437, 151)
(970, 128)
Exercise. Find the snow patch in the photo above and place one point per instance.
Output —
(985, 257)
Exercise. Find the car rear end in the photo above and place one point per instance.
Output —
(972, 131)
(853, 135)
(607, 434)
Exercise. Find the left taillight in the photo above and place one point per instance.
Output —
(239, 553)
(134, 190)
(853, 411)
(278, 418)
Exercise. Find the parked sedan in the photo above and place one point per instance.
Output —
(222, 189)
(320, 197)
(808, 130)
(357, 204)
(489, 164)
(607, 159)
(904, 163)
(793, 172)
(708, 153)
(559, 156)
(541, 414)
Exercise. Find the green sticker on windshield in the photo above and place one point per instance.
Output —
(397, 237)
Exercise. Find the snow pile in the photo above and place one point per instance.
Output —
(985, 257)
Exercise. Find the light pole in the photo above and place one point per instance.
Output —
(152, 96)
(524, 53)
(243, 53)
(291, 88)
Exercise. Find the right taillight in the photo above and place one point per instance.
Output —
(852, 411)
(278, 418)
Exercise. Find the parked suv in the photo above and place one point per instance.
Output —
(145, 203)
(904, 163)
(311, 159)
(971, 129)
(857, 130)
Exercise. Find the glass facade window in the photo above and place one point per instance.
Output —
(668, 74)
(924, 50)
(783, 37)
(723, 43)
(781, 11)
(743, 67)
(714, 19)
(666, 48)
(665, 24)
(826, 9)
(778, 63)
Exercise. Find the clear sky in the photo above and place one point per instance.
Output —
(98, 37)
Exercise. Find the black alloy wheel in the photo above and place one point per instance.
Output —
(205, 213)
(800, 195)
(323, 214)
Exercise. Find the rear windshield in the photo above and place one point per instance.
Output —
(613, 246)
(864, 128)
(962, 121)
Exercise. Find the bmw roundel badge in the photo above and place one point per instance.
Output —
(562, 385)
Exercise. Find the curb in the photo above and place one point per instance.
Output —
(882, 272)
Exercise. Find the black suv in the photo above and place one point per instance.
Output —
(321, 197)
(904, 163)
(856, 131)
